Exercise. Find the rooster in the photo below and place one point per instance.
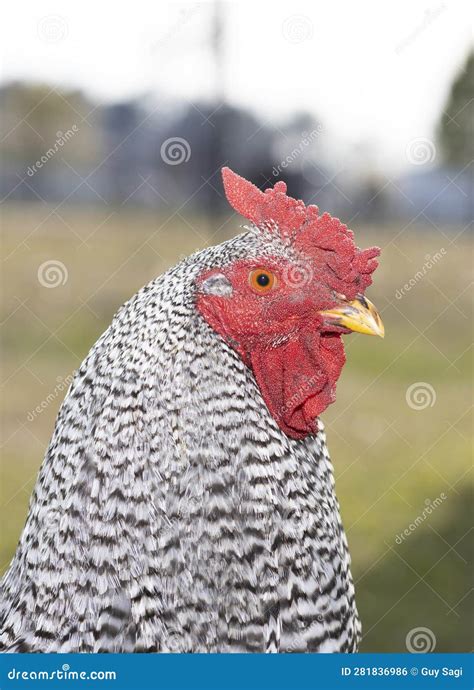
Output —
(186, 501)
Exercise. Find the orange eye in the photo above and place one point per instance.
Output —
(262, 280)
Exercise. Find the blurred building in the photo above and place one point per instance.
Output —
(62, 148)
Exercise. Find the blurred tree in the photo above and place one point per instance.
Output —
(456, 128)
(34, 117)
(125, 148)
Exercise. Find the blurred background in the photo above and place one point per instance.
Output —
(115, 121)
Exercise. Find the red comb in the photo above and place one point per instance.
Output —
(273, 204)
(305, 228)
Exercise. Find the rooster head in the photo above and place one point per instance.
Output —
(285, 305)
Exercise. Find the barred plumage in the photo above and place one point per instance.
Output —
(171, 512)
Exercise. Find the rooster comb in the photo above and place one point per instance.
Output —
(302, 226)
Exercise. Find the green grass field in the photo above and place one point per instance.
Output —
(394, 464)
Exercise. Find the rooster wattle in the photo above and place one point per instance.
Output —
(186, 501)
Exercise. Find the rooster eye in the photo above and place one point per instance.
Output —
(262, 280)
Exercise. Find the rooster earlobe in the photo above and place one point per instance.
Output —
(243, 196)
(217, 284)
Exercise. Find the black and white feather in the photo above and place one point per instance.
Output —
(171, 513)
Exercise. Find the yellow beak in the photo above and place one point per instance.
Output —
(359, 316)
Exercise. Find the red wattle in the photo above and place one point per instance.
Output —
(298, 379)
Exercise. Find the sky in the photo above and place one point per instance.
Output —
(376, 74)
